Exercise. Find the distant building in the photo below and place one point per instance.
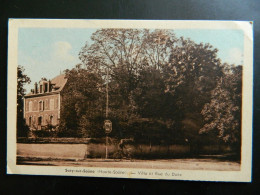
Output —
(42, 104)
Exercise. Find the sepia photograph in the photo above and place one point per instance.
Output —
(130, 99)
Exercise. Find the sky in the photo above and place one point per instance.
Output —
(46, 52)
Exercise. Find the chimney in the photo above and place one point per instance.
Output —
(35, 88)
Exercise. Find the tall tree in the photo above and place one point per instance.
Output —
(22, 79)
(157, 82)
(127, 54)
(149, 94)
(222, 114)
(131, 49)
(82, 106)
(191, 74)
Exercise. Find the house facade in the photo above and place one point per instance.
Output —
(42, 104)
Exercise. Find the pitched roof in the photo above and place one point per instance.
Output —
(57, 82)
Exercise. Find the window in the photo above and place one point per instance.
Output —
(51, 120)
(51, 104)
(46, 105)
(34, 105)
(26, 105)
(39, 120)
(40, 88)
(30, 106)
(45, 87)
(41, 105)
(30, 121)
(56, 103)
(34, 120)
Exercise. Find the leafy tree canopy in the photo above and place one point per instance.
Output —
(22, 79)
(156, 82)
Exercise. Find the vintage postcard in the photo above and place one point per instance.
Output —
(151, 99)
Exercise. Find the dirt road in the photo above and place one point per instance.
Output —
(180, 164)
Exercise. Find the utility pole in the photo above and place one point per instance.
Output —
(107, 95)
(107, 113)
(107, 123)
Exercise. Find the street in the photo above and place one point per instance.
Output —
(179, 164)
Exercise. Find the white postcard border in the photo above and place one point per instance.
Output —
(244, 175)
